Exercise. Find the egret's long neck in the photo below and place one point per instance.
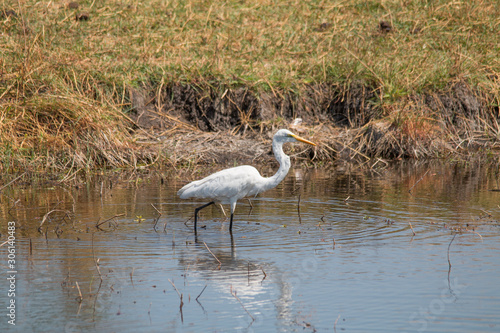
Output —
(284, 162)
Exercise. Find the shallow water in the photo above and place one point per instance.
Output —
(348, 262)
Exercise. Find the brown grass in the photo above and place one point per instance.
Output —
(64, 132)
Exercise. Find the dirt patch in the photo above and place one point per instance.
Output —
(216, 125)
(209, 110)
(461, 107)
(183, 118)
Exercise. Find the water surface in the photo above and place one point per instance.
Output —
(362, 254)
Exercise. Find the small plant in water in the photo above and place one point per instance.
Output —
(139, 219)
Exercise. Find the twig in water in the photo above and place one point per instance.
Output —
(14, 205)
(220, 264)
(45, 217)
(68, 175)
(251, 206)
(96, 261)
(80, 297)
(185, 222)
(477, 233)
(265, 275)
(98, 269)
(346, 199)
(201, 292)
(223, 211)
(31, 248)
(449, 262)
(411, 228)
(131, 276)
(180, 298)
(485, 212)
(178, 293)
(234, 294)
(12, 181)
(334, 243)
(158, 218)
(295, 190)
(98, 224)
(418, 181)
(335, 324)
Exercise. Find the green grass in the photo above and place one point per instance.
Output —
(277, 43)
(264, 45)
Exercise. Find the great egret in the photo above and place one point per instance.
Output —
(230, 185)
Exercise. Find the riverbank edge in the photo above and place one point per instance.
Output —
(192, 124)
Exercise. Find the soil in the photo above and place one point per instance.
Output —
(207, 110)
(211, 124)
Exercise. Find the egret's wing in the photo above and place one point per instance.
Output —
(229, 183)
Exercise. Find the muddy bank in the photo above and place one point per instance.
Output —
(212, 124)
(191, 124)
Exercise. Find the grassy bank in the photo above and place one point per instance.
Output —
(71, 74)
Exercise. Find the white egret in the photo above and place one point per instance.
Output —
(230, 185)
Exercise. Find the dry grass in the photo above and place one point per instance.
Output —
(65, 83)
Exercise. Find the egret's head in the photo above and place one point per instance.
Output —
(285, 135)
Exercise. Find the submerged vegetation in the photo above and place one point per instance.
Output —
(91, 84)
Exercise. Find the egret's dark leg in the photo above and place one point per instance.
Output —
(232, 245)
(231, 225)
(233, 208)
(196, 213)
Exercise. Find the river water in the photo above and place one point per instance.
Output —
(394, 248)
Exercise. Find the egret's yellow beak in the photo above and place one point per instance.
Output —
(298, 138)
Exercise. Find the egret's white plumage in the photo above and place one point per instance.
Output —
(230, 185)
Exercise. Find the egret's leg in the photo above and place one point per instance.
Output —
(231, 224)
(232, 246)
(196, 213)
(233, 207)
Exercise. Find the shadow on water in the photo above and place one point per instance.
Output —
(401, 247)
